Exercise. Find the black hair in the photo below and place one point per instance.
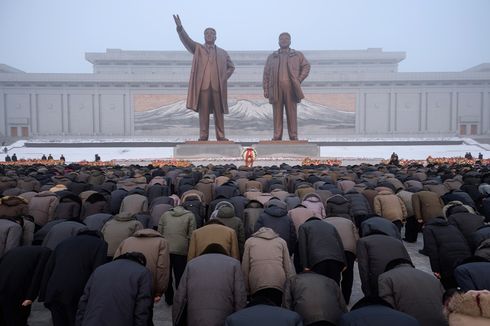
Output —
(135, 256)
(214, 248)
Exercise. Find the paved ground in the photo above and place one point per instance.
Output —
(40, 316)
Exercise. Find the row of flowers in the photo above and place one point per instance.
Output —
(33, 162)
(309, 161)
(458, 160)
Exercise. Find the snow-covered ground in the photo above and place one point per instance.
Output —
(416, 152)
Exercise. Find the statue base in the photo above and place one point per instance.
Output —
(207, 149)
(287, 148)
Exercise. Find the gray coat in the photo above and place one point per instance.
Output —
(413, 292)
(130, 306)
(315, 297)
(374, 252)
(10, 235)
(208, 276)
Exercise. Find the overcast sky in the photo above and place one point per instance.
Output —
(53, 35)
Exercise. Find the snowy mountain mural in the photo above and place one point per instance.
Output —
(245, 115)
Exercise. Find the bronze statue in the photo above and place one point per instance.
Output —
(207, 93)
(284, 72)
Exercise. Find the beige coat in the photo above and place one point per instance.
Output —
(266, 262)
(426, 205)
(347, 232)
(213, 233)
(389, 206)
(155, 248)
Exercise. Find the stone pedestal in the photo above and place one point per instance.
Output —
(207, 149)
(286, 148)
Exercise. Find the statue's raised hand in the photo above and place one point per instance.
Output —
(177, 21)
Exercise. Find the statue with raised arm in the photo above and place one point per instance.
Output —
(284, 72)
(207, 93)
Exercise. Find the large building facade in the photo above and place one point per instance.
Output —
(142, 93)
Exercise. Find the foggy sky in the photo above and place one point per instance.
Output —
(53, 35)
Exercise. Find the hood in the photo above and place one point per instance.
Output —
(13, 201)
(147, 233)
(265, 233)
(312, 197)
(276, 211)
(179, 211)
(274, 202)
(124, 217)
(254, 204)
(225, 210)
(337, 199)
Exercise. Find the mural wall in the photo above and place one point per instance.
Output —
(250, 115)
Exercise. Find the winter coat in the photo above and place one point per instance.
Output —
(28, 184)
(10, 235)
(314, 203)
(156, 191)
(374, 252)
(251, 214)
(226, 214)
(21, 272)
(69, 206)
(445, 245)
(134, 204)
(60, 232)
(42, 207)
(390, 206)
(338, 205)
(7, 183)
(456, 206)
(413, 292)
(317, 242)
(70, 266)
(13, 206)
(117, 197)
(299, 215)
(467, 223)
(379, 225)
(470, 308)
(117, 229)
(155, 249)
(264, 315)
(176, 226)
(459, 196)
(206, 186)
(473, 276)
(275, 217)
(426, 205)
(266, 262)
(406, 197)
(315, 297)
(480, 235)
(453, 184)
(359, 205)
(95, 203)
(436, 187)
(375, 315)
(213, 233)
(345, 185)
(156, 211)
(347, 232)
(213, 276)
(96, 221)
(130, 306)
